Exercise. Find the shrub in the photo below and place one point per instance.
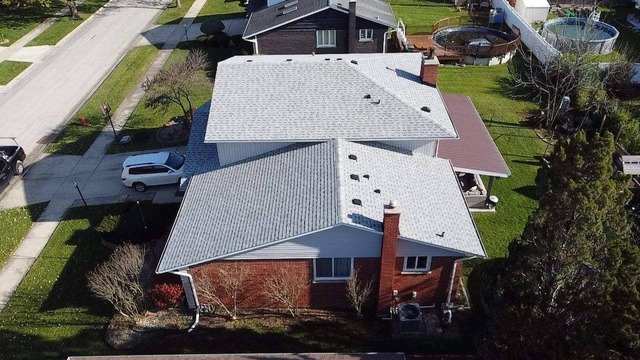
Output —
(165, 295)
(212, 26)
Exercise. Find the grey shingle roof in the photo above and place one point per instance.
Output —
(309, 98)
(201, 157)
(288, 11)
(307, 187)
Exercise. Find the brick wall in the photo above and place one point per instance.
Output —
(432, 287)
(320, 295)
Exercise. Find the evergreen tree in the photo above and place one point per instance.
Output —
(570, 285)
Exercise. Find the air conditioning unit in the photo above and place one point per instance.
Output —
(410, 318)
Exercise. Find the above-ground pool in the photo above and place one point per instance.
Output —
(580, 35)
(478, 45)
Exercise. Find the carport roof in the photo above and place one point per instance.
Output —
(474, 152)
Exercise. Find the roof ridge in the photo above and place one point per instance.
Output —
(339, 189)
(388, 91)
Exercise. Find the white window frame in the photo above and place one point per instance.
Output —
(421, 270)
(332, 278)
(324, 37)
(366, 38)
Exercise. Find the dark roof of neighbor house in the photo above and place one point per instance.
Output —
(288, 11)
(475, 151)
(294, 98)
(310, 356)
(309, 187)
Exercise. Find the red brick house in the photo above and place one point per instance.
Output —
(320, 26)
(331, 168)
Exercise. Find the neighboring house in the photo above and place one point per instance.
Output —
(330, 167)
(320, 27)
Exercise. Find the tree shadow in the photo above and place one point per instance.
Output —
(125, 224)
(529, 191)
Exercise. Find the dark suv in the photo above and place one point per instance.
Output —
(11, 161)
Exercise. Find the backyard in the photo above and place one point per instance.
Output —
(420, 15)
(519, 145)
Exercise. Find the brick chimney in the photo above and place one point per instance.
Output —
(353, 31)
(390, 233)
(429, 69)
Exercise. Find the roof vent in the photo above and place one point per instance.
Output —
(367, 96)
(339, 59)
(377, 102)
(354, 62)
(249, 60)
(366, 176)
(356, 202)
(354, 177)
(289, 59)
(327, 59)
(353, 157)
(377, 191)
(425, 109)
(289, 10)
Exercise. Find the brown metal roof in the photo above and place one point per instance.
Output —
(310, 356)
(474, 152)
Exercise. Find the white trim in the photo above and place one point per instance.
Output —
(365, 39)
(416, 269)
(284, 23)
(328, 36)
(479, 172)
(332, 278)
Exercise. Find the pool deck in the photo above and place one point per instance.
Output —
(419, 43)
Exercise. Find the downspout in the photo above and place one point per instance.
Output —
(255, 45)
(453, 277)
(384, 42)
(196, 317)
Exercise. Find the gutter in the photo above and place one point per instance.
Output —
(384, 42)
(453, 276)
(196, 315)
(255, 45)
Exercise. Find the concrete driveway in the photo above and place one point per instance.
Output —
(54, 175)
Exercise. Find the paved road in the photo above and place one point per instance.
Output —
(39, 104)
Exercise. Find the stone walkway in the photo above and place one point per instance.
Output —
(66, 196)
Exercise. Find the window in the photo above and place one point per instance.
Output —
(332, 268)
(326, 38)
(366, 35)
(175, 161)
(417, 263)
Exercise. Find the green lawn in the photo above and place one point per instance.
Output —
(76, 139)
(220, 9)
(420, 15)
(519, 145)
(17, 22)
(65, 24)
(145, 122)
(52, 315)
(17, 224)
(173, 14)
(10, 69)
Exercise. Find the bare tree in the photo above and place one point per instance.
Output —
(117, 280)
(285, 288)
(73, 9)
(358, 291)
(548, 83)
(174, 84)
(230, 283)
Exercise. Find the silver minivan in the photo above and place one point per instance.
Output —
(159, 168)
